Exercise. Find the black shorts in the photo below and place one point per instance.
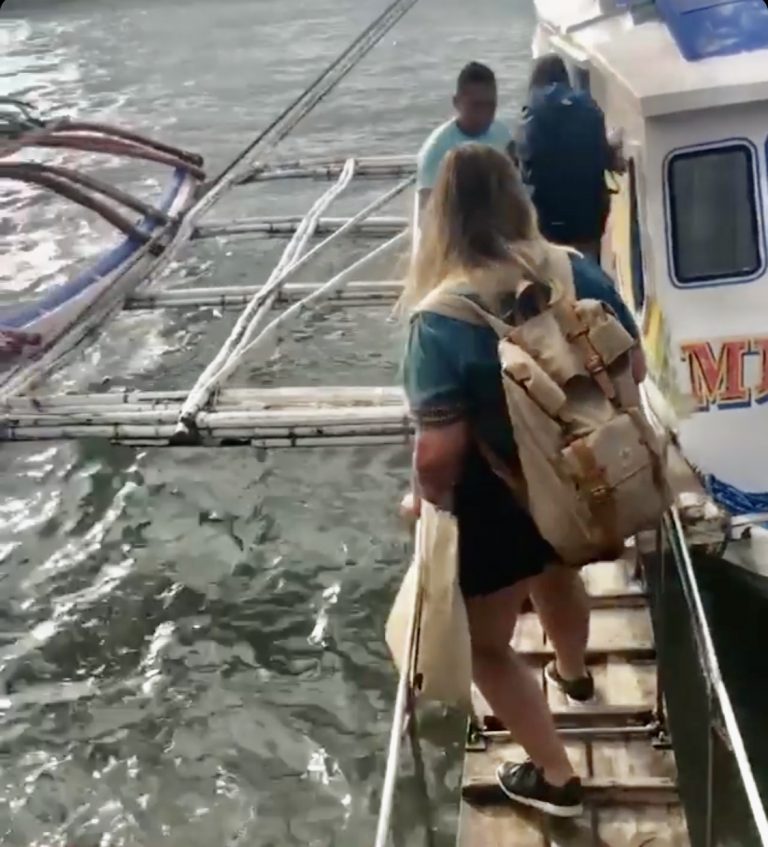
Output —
(499, 543)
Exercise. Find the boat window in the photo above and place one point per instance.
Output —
(713, 214)
(635, 244)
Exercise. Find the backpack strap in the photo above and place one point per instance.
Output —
(459, 302)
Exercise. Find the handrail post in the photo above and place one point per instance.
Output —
(710, 811)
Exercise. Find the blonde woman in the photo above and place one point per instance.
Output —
(481, 227)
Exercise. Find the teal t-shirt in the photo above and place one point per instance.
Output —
(448, 136)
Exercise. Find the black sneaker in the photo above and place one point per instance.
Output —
(581, 690)
(524, 783)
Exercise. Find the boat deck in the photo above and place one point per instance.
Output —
(630, 784)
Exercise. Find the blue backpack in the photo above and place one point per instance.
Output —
(564, 155)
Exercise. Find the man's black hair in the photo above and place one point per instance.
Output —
(548, 70)
(473, 73)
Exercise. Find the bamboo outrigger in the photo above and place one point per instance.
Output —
(620, 744)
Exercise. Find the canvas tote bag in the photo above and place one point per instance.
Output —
(441, 656)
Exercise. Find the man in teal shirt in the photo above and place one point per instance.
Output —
(475, 121)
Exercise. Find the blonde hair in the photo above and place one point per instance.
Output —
(479, 216)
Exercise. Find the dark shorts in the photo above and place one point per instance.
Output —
(499, 543)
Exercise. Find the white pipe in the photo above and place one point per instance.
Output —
(268, 336)
(289, 262)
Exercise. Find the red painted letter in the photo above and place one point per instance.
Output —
(760, 345)
(717, 380)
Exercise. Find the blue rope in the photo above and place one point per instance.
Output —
(736, 501)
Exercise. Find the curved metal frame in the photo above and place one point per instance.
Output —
(93, 143)
(68, 189)
(93, 137)
(29, 171)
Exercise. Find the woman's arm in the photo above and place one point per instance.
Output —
(438, 456)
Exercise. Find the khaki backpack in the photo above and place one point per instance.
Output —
(592, 467)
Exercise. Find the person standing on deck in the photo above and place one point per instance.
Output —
(481, 228)
(474, 121)
(564, 155)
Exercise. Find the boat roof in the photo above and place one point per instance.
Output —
(671, 55)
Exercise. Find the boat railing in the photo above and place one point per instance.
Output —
(725, 806)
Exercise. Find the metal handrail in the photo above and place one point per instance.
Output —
(403, 704)
(708, 657)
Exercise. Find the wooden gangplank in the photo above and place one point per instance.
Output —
(630, 782)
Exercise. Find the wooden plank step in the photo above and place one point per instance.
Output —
(610, 600)
(619, 771)
(598, 791)
(599, 826)
(619, 600)
(617, 683)
(582, 733)
(639, 715)
(613, 633)
(596, 655)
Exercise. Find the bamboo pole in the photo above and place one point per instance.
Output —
(384, 424)
(370, 167)
(164, 436)
(378, 227)
(249, 398)
(299, 418)
(356, 293)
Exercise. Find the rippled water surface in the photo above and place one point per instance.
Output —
(191, 644)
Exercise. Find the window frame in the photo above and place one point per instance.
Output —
(581, 78)
(636, 249)
(756, 181)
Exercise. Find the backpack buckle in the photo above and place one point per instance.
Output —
(594, 364)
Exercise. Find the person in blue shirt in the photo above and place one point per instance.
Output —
(480, 229)
(474, 121)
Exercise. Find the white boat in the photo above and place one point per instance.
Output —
(686, 84)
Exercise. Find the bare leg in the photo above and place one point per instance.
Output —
(562, 604)
(508, 684)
